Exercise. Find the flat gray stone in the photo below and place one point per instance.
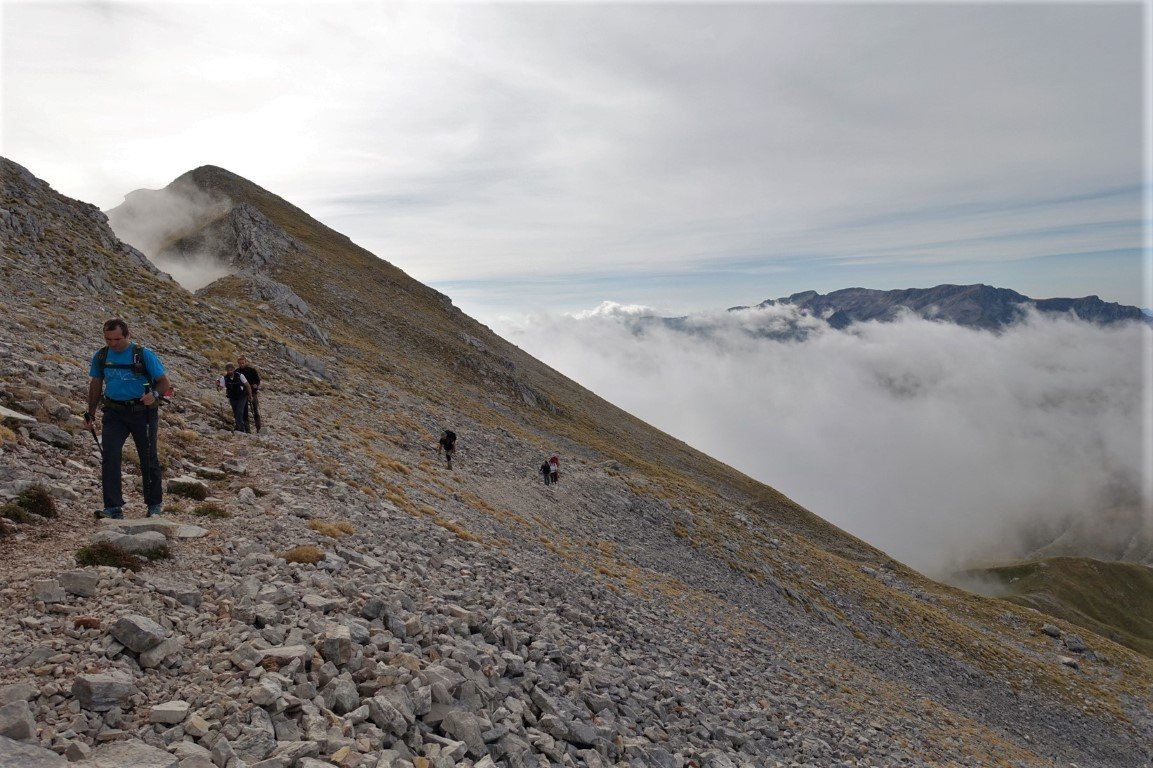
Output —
(48, 591)
(153, 657)
(16, 721)
(138, 633)
(181, 593)
(7, 414)
(51, 434)
(100, 693)
(14, 754)
(80, 582)
(285, 654)
(18, 692)
(169, 713)
(135, 753)
(136, 543)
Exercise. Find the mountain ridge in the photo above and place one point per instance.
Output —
(975, 306)
(654, 608)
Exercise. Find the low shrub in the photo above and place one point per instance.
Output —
(211, 509)
(38, 501)
(103, 553)
(194, 491)
(16, 513)
(305, 554)
(333, 530)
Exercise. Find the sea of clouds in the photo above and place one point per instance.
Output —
(942, 445)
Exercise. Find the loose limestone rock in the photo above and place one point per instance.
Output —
(138, 633)
(169, 713)
(15, 754)
(80, 582)
(135, 753)
(100, 692)
(16, 721)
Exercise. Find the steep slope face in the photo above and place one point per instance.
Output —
(654, 608)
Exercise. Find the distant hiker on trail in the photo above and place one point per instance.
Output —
(447, 444)
(127, 382)
(554, 469)
(253, 376)
(546, 472)
(238, 390)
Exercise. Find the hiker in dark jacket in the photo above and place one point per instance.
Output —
(127, 383)
(253, 376)
(238, 390)
(546, 472)
(447, 443)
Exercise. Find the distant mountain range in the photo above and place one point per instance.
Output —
(975, 306)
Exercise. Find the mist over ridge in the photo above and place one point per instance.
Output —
(942, 445)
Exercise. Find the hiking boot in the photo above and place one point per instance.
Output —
(113, 513)
(155, 510)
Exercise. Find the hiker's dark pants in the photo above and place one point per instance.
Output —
(142, 424)
(239, 412)
(254, 409)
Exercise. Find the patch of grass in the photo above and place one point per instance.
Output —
(7, 435)
(334, 529)
(1112, 599)
(103, 553)
(211, 509)
(194, 491)
(456, 528)
(38, 501)
(16, 513)
(305, 554)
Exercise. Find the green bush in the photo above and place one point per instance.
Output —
(188, 490)
(103, 553)
(38, 501)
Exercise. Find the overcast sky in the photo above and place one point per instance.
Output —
(684, 156)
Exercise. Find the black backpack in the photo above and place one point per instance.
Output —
(449, 439)
(233, 387)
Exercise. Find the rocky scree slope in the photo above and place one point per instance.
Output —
(654, 608)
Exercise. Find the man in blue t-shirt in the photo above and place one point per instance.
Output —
(127, 381)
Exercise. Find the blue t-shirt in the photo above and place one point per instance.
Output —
(123, 383)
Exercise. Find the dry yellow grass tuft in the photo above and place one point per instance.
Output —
(304, 554)
(334, 529)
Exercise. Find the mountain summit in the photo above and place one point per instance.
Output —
(342, 598)
(976, 306)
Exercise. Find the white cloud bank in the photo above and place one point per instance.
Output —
(938, 444)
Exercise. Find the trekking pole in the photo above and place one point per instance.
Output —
(95, 439)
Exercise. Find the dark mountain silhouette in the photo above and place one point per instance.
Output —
(975, 306)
